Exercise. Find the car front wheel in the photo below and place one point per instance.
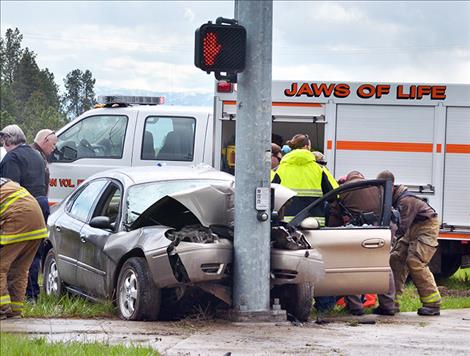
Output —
(137, 296)
(52, 282)
(298, 300)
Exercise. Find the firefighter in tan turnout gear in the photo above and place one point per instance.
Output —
(417, 242)
(22, 229)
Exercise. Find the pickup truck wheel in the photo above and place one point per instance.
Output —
(298, 300)
(137, 296)
(52, 283)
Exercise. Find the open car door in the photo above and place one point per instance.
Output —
(356, 258)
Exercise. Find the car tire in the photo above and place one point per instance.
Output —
(52, 283)
(137, 296)
(298, 300)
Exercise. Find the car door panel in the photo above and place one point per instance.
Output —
(67, 237)
(91, 264)
(356, 260)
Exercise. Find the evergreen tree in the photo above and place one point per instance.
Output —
(29, 95)
(10, 54)
(80, 94)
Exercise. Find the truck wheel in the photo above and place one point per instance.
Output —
(449, 265)
(52, 282)
(298, 300)
(137, 296)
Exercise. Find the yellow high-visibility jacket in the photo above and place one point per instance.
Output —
(21, 217)
(300, 172)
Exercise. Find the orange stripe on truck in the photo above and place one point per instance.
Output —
(455, 148)
(384, 146)
(280, 103)
(452, 235)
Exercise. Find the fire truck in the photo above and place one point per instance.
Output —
(420, 132)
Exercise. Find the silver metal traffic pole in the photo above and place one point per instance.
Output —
(253, 163)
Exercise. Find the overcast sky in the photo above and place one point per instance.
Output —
(150, 45)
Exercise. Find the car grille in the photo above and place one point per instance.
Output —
(284, 273)
(213, 268)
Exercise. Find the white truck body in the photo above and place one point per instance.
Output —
(420, 132)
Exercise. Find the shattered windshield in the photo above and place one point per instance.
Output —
(140, 197)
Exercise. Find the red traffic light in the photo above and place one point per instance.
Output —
(220, 48)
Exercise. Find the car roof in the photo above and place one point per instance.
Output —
(157, 173)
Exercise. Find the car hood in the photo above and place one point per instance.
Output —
(212, 204)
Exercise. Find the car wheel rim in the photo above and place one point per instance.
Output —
(52, 285)
(128, 294)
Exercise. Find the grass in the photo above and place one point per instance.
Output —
(67, 307)
(455, 295)
(13, 345)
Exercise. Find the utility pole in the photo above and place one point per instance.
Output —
(251, 288)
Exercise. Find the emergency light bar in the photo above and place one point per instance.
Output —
(131, 100)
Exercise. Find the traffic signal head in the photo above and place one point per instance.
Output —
(220, 48)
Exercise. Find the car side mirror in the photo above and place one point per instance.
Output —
(310, 223)
(101, 222)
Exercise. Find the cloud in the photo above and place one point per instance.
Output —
(188, 14)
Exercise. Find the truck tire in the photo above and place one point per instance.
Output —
(137, 296)
(449, 265)
(297, 300)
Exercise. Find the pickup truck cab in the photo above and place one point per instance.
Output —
(127, 134)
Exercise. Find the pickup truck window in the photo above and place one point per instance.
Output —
(168, 138)
(100, 136)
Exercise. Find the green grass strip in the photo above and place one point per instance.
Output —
(16, 345)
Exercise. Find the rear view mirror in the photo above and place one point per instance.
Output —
(69, 153)
(310, 223)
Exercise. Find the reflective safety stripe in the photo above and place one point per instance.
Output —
(17, 306)
(308, 192)
(5, 299)
(432, 298)
(21, 193)
(25, 236)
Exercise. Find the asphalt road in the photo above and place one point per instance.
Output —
(405, 334)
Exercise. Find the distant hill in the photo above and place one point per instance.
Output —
(171, 98)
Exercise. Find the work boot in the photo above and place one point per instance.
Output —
(429, 311)
(356, 312)
(382, 311)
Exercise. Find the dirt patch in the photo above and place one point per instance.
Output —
(454, 292)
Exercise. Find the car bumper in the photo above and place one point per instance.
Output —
(296, 266)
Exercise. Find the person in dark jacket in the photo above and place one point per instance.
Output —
(417, 235)
(22, 163)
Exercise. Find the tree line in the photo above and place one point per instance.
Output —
(29, 95)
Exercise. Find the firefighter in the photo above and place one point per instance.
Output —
(300, 172)
(276, 156)
(416, 244)
(22, 228)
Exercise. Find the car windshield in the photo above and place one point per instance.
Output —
(140, 197)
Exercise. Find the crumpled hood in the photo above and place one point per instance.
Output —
(211, 204)
(299, 157)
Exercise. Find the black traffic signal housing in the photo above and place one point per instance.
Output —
(221, 48)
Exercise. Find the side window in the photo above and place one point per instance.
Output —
(100, 136)
(83, 202)
(168, 138)
(110, 203)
